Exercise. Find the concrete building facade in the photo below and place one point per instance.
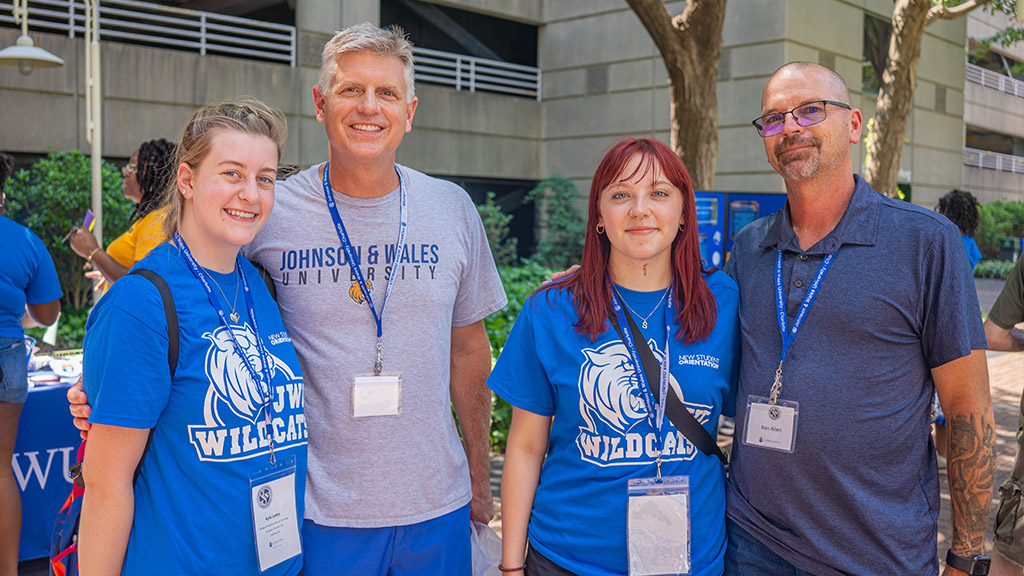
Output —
(993, 166)
(602, 79)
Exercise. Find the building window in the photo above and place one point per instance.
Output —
(462, 32)
(508, 194)
(877, 32)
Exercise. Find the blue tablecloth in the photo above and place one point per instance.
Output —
(46, 447)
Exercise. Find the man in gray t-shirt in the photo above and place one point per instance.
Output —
(388, 326)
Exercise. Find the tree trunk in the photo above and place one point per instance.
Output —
(896, 96)
(691, 46)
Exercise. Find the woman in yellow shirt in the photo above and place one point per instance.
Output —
(146, 176)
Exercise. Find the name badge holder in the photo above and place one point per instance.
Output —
(770, 422)
(272, 488)
(658, 526)
(658, 520)
(380, 393)
(274, 517)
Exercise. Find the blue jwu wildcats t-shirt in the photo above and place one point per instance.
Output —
(192, 499)
(601, 436)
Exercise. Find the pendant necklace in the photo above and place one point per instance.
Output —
(643, 319)
(234, 315)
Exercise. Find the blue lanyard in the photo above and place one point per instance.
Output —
(780, 300)
(655, 412)
(263, 381)
(350, 253)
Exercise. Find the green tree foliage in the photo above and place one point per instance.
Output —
(998, 219)
(503, 248)
(519, 283)
(563, 223)
(52, 196)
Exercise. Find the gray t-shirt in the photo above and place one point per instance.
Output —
(389, 470)
(860, 492)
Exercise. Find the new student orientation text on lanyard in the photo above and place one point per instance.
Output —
(771, 423)
(377, 394)
(271, 487)
(658, 512)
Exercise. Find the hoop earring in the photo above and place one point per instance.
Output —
(682, 226)
(599, 228)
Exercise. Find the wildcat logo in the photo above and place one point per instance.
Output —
(616, 430)
(240, 431)
(355, 292)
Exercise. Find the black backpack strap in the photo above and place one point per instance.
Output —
(680, 417)
(172, 337)
(267, 279)
(169, 311)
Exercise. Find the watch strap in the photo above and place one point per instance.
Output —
(967, 565)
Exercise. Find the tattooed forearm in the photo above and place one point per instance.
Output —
(972, 463)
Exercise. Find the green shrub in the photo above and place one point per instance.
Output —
(564, 224)
(519, 283)
(70, 329)
(998, 219)
(503, 248)
(53, 195)
(993, 269)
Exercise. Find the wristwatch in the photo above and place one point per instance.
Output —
(974, 566)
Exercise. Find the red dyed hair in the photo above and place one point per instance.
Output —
(695, 305)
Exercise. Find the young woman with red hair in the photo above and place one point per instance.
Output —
(584, 422)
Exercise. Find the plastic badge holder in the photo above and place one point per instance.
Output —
(658, 526)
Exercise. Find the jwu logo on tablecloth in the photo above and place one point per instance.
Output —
(40, 465)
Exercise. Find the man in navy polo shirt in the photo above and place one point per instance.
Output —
(854, 307)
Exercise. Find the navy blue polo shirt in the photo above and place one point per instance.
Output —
(860, 493)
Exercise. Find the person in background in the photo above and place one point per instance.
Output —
(962, 209)
(221, 433)
(572, 382)
(148, 174)
(29, 296)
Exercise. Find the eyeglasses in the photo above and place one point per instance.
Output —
(805, 115)
(129, 169)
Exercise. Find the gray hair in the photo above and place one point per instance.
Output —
(365, 37)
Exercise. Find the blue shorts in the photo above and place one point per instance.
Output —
(13, 371)
(438, 546)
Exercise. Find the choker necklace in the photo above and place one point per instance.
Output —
(234, 315)
(643, 319)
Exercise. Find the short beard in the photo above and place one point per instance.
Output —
(812, 165)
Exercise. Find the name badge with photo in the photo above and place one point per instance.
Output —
(376, 395)
(771, 426)
(274, 514)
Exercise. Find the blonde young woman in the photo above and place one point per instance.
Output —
(222, 440)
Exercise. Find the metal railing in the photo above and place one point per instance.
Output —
(166, 26)
(209, 33)
(995, 80)
(476, 74)
(994, 160)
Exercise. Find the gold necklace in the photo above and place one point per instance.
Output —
(234, 315)
(643, 321)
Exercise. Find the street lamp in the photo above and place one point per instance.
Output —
(25, 54)
(94, 110)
